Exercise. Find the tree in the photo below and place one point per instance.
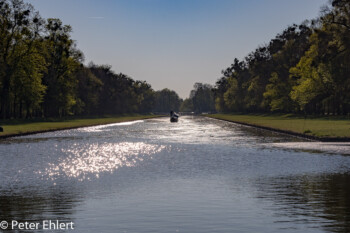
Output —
(167, 100)
(41, 72)
(202, 98)
(187, 105)
(232, 96)
(120, 93)
(88, 90)
(304, 68)
(237, 75)
(20, 28)
(286, 49)
(336, 53)
(322, 74)
(220, 88)
(63, 61)
(259, 63)
(27, 88)
(146, 96)
(311, 83)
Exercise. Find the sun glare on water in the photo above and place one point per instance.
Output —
(87, 161)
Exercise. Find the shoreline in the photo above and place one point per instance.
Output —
(283, 131)
(61, 127)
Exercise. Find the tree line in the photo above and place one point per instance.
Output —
(42, 73)
(304, 69)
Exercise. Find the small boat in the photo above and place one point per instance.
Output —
(174, 117)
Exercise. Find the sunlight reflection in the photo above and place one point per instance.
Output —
(85, 162)
(101, 127)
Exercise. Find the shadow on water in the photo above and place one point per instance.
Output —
(315, 200)
(35, 207)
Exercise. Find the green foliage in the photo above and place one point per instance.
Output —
(312, 81)
(234, 89)
(62, 67)
(275, 94)
(167, 100)
(146, 96)
(20, 28)
(231, 96)
(187, 105)
(202, 97)
(121, 94)
(219, 91)
(27, 88)
(303, 69)
(42, 75)
(88, 89)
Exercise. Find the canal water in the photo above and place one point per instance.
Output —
(197, 175)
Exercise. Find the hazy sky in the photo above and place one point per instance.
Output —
(174, 43)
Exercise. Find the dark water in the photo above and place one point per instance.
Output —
(197, 175)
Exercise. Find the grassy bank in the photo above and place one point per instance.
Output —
(24, 127)
(323, 128)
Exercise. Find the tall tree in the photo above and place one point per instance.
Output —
(20, 28)
(286, 49)
(63, 61)
(220, 88)
(237, 75)
(88, 90)
(202, 98)
(146, 96)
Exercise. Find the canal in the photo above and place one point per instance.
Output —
(197, 175)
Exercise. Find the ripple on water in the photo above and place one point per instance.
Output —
(197, 175)
(325, 147)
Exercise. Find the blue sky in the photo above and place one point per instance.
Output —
(174, 43)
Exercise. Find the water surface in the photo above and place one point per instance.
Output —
(197, 175)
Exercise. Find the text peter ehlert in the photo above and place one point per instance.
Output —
(42, 225)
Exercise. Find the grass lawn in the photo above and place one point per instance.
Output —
(18, 127)
(322, 127)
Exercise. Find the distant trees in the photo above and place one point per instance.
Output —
(186, 105)
(42, 75)
(166, 100)
(120, 93)
(88, 92)
(303, 69)
(201, 99)
(145, 95)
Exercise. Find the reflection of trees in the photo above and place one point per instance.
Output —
(325, 198)
(36, 207)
